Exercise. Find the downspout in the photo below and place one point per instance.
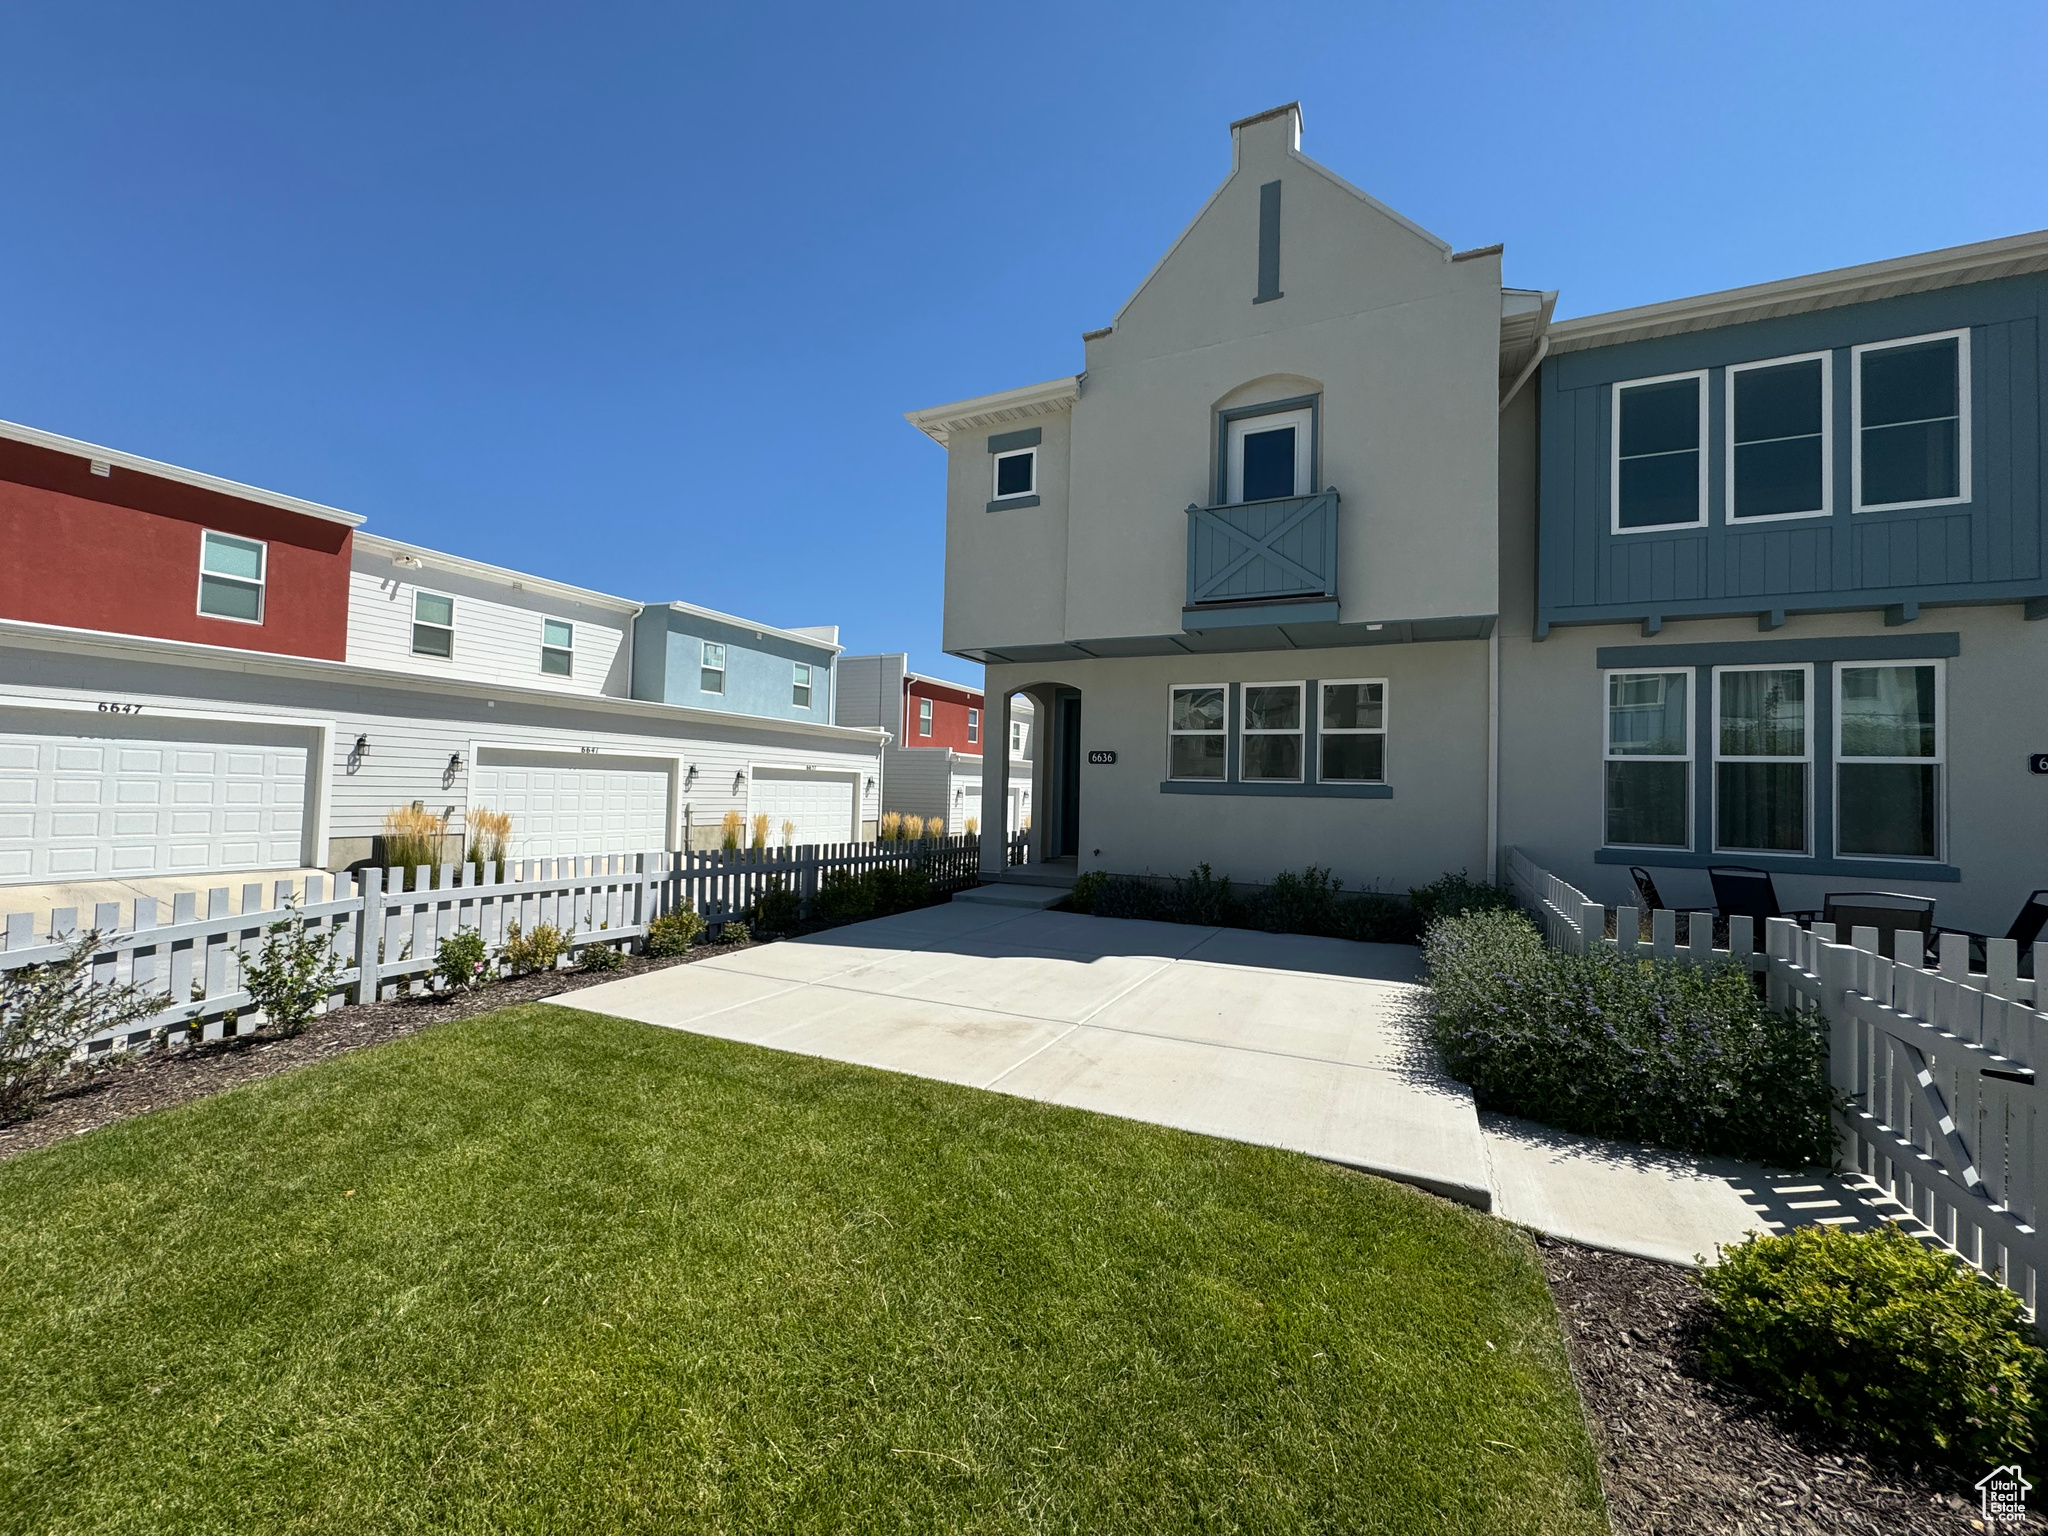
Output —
(1493, 754)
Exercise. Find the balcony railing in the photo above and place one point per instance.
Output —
(1263, 562)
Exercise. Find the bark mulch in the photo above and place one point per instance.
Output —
(1684, 1455)
(151, 1080)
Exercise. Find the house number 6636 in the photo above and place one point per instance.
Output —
(120, 709)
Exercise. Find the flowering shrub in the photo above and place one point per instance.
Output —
(463, 961)
(1659, 1051)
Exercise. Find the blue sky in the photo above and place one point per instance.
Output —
(635, 296)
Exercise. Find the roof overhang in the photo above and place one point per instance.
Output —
(940, 422)
(754, 626)
(375, 546)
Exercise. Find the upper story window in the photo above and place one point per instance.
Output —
(800, 684)
(1659, 475)
(1016, 474)
(1352, 741)
(1268, 456)
(1780, 448)
(231, 576)
(1016, 738)
(1647, 771)
(557, 647)
(433, 625)
(711, 668)
(1911, 410)
(973, 725)
(1195, 732)
(924, 717)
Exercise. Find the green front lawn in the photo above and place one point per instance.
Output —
(537, 1271)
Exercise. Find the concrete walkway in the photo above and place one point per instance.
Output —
(1307, 1044)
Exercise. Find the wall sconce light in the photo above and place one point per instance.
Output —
(689, 775)
(454, 767)
(870, 788)
(358, 752)
(739, 780)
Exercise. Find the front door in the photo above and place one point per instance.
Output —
(1070, 777)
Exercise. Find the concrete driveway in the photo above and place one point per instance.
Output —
(1271, 1038)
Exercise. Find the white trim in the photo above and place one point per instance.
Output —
(1238, 428)
(1718, 758)
(1827, 440)
(1222, 732)
(412, 638)
(940, 422)
(1963, 455)
(973, 725)
(261, 583)
(1609, 755)
(809, 684)
(1299, 733)
(704, 650)
(1381, 730)
(926, 715)
(1939, 761)
(376, 547)
(1614, 451)
(995, 480)
(568, 650)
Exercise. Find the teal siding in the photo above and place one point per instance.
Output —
(1986, 550)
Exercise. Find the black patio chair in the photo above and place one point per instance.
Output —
(1646, 889)
(1741, 890)
(1887, 912)
(2025, 929)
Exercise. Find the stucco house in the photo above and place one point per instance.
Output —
(933, 767)
(1339, 551)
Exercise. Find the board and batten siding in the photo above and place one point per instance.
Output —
(1986, 549)
(496, 641)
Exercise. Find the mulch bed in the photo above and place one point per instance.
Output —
(151, 1080)
(1682, 1454)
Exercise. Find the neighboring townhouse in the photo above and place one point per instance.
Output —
(1750, 578)
(934, 767)
(199, 677)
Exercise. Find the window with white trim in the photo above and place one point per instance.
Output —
(1911, 418)
(1647, 767)
(800, 684)
(973, 725)
(557, 647)
(231, 577)
(1268, 457)
(1270, 739)
(1351, 736)
(1659, 469)
(1763, 758)
(433, 625)
(1016, 738)
(1016, 474)
(924, 717)
(1195, 731)
(1888, 760)
(1780, 441)
(711, 667)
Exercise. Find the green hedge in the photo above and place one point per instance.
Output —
(844, 896)
(1870, 1335)
(1657, 1051)
(1312, 902)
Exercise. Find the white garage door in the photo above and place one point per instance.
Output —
(574, 807)
(819, 804)
(154, 797)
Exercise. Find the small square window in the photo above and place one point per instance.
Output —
(711, 671)
(924, 717)
(800, 685)
(973, 725)
(231, 577)
(433, 625)
(557, 647)
(1017, 473)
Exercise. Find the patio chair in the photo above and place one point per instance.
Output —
(1741, 890)
(1887, 912)
(1646, 889)
(2025, 929)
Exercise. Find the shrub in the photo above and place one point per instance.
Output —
(1872, 1335)
(730, 827)
(599, 957)
(1665, 1052)
(673, 933)
(47, 1011)
(735, 933)
(1201, 899)
(1451, 895)
(538, 950)
(490, 839)
(1372, 917)
(1125, 897)
(1086, 888)
(412, 837)
(463, 961)
(844, 897)
(779, 908)
(293, 973)
(1303, 903)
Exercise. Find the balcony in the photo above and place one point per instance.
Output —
(1262, 562)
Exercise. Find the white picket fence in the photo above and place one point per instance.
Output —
(1937, 1063)
(387, 925)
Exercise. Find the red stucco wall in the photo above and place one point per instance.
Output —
(949, 717)
(121, 553)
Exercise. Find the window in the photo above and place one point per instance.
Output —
(1194, 732)
(1648, 760)
(800, 684)
(1911, 403)
(1660, 472)
(1888, 760)
(1017, 473)
(557, 647)
(711, 668)
(1762, 750)
(433, 625)
(1268, 456)
(231, 577)
(973, 725)
(1272, 732)
(1780, 455)
(1016, 738)
(1352, 741)
(924, 717)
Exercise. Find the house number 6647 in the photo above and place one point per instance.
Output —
(120, 709)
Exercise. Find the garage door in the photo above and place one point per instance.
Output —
(575, 807)
(154, 798)
(819, 804)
